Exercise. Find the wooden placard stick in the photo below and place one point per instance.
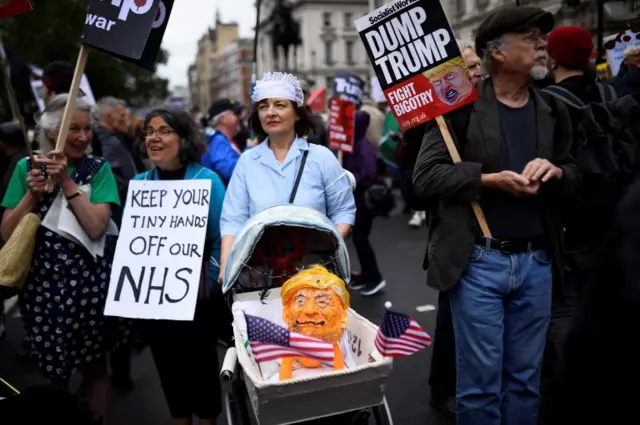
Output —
(455, 157)
(13, 104)
(71, 104)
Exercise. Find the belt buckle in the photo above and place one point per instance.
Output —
(503, 247)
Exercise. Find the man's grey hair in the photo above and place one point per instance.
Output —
(216, 119)
(464, 44)
(500, 43)
(51, 118)
(631, 51)
(108, 102)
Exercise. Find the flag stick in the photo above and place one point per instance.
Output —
(71, 104)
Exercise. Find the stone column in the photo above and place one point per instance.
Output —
(470, 9)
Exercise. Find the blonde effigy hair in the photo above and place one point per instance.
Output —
(315, 277)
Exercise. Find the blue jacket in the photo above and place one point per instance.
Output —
(220, 156)
(197, 171)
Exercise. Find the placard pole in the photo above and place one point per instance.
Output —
(70, 107)
(455, 157)
(73, 94)
(13, 104)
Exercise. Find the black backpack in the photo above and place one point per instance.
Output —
(605, 150)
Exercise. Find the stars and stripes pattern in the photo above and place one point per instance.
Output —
(399, 335)
(269, 341)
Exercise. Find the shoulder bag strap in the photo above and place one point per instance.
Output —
(298, 177)
(565, 96)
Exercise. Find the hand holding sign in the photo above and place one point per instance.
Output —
(419, 67)
(157, 268)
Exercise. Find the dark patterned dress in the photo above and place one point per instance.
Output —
(63, 300)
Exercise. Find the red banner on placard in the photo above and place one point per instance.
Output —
(341, 124)
(13, 7)
(431, 94)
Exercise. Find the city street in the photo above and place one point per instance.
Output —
(400, 251)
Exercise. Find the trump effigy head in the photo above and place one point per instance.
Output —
(315, 303)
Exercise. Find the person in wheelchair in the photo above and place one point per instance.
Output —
(284, 167)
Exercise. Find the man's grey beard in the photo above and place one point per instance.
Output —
(539, 72)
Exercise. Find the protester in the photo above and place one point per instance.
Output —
(599, 354)
(629, 83)
(319, 135)
(109, 143)
(517, 163)
(266, 174)
(13, 148)
(222, 154)
(65, 293)
(185, 352)
(471, 60)
(56, 79)
(362, 163)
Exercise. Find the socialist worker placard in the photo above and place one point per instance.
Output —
(416, 59)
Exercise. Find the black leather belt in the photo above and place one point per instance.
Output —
(513, 247)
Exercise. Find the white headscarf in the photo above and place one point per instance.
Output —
(278, 84)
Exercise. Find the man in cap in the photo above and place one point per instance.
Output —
(517, 164)
(223, 154)
(56, 79)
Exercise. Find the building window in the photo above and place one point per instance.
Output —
(326, 17)
(328, 53)
(348, 20)
(348, 48)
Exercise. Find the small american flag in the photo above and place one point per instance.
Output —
(270, 341)
(399, 335)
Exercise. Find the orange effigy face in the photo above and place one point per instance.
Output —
(315, 303)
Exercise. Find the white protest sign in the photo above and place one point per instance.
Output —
(159, 256)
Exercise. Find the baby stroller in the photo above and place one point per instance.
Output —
(273, 246)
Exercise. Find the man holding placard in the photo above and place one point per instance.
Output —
(516, 167)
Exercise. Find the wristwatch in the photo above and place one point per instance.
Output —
(75, 195)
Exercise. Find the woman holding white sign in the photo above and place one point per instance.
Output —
(185, 352)
(63, 300)
(284, 167)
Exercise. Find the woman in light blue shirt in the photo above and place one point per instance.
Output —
(265, 175)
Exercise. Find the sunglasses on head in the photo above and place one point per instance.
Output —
(623, 37)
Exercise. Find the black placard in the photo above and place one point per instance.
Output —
(152, 48)
(404, 38)
(350, 87)
(120, 27)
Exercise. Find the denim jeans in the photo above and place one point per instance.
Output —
(501, 308)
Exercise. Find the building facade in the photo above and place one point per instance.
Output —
(194, 94)
(330, 42)
(466, 15)
(232, 78)
(210, 44)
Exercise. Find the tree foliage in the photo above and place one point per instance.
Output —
(52, 32)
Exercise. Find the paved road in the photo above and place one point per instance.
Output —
(400, 251)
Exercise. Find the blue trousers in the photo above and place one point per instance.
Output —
(501, 308)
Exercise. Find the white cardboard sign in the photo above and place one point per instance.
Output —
(159, 255)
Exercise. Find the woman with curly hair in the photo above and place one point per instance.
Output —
(185, 352)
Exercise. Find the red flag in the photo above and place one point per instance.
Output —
(399, 335)
(13, 7)
(269, 341)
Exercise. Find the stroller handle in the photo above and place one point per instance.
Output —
(229, 365)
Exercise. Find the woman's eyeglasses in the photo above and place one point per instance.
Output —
(162, 132)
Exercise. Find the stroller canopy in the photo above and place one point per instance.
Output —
(288, 215)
